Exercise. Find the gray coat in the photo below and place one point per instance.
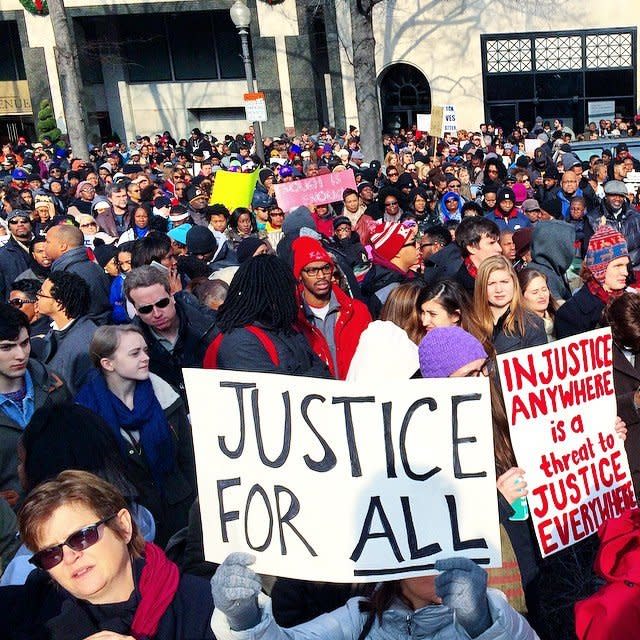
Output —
(77, 261)
(67, 351)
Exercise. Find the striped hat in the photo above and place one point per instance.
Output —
(605, 245)
(387, 239)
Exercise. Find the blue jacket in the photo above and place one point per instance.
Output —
(435, 622)
(516, 220)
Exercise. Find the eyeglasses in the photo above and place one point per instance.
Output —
(20, 302)
(89, 224)
(78, 541)
(39, 294)
(148, 308)
(408, 244)
(485, 369)
(428, 244)
(314, 272)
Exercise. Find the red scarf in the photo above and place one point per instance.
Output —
(598, 291)
(158, 585)
(471, 268)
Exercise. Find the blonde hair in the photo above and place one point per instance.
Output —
(515, 320)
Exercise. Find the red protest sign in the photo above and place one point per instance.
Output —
(317, 190)
(561, 407)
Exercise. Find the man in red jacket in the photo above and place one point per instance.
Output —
(330, 320)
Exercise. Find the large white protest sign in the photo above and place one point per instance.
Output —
(561, 406)
(325, 480)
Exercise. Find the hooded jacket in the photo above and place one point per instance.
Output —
(614, 611)
(513, 221)
(552, 252)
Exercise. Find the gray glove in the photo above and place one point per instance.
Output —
(235, 588)
(462, 585)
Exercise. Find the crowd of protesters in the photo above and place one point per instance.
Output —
(117, 273)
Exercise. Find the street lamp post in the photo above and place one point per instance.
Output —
(241, 17)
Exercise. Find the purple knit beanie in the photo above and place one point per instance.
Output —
(446, 349)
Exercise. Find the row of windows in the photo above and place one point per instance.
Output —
(201, 45)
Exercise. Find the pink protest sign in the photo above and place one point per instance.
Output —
(317, 190)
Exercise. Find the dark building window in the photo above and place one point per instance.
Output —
(198, 45)
(11, 62)
(404, 93)
(557, 75)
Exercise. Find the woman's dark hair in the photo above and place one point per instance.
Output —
(502, 171)
(622, 314)
(235, 216)
(69, 436)
(471, 206)
(262, 290)
(450, 296)
(135, 208)
(27, 285)
(153, 247)
(378, 601)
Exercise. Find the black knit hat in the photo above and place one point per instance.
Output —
(200, 240)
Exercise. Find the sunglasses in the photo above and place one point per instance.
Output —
(148, 308)
(19, 302)
(78, 541)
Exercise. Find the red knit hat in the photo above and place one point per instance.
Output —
(605, 245)
(307, 250)
(388, 238)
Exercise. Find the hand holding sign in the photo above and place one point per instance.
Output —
(235, 588)
(462, 585)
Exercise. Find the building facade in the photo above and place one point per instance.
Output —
(150, 67)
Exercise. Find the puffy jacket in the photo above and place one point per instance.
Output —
(398, 623)
(379, 282)
(77, 261)
(552, 251)
(627, 223)
(353, 318)
(614, 611)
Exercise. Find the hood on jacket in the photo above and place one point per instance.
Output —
(552, 245)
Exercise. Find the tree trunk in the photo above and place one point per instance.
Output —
(365, 79)
(70, 80)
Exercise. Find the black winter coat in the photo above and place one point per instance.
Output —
(241, 350)
(13, 261)
(41, 610)
(579, 314)
(534, 335)
(378, 284)
(194, 335)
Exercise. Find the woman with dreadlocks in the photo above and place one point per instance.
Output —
(256, 324)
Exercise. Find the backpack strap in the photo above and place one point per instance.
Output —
(266, 342)
(211, 357)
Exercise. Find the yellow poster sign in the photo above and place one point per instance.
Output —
(233, 189)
